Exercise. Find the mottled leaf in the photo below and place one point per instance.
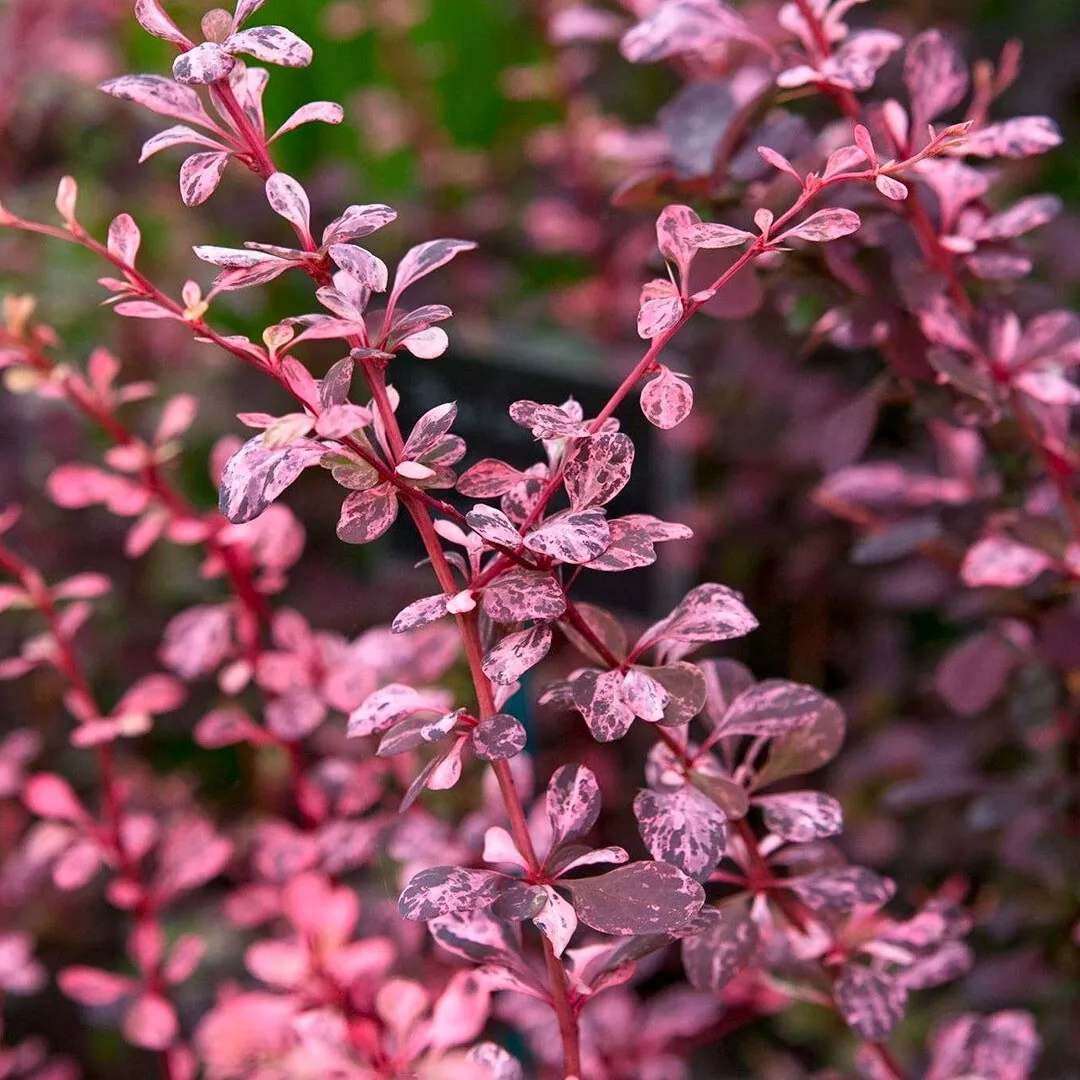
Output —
(712, 958)
(641, 898)
(442, 890)
(802, 816)
(507, 661)
(366, 515)
(521, 594)
(683, 828)
(573, 536)
(255, 476)
(871, 1004)
(499, 738)
(598, 470)
(598, 696)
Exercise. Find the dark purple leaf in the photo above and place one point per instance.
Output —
(642, 898)
(683, 828)
(442, 890)
(254, 476)
(686, 690)
(973, 674)
(725, 947)
(598, 470)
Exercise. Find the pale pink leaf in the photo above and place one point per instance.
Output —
(325, 112)
(682, 26)
(556, 920)
(152, 18)
(661, 309)
(357, 222)
(1004, 563)
(151, 1022)
(708, 613)
(421, 260)
(1022, 136)
(124, 238)
(711, 235)
(94, 987)
(197, 640)
(824, 225)
(429, 430)
(427, 344)
(178, 135)
(50, 796)
(361, 265)
(891, 188)
(674, 231)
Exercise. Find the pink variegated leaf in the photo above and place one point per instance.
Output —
(413, 323)
(575, 856)
(1000, 562)
(935, 75)
(429, 430)
(415, 731)
(144, 309)
(660, 309)
(641, 898)
(460, 1013)
(162, 96)
(685, 688)
(682, 827)
(675, 228)
(630, 548)
(1022, 217)
(499, 738)
(200, 175)
(494, 526)
(419, 613)
(124, 238)
(324, 112)
(778, 161)
(202, 65)
(357, 222)
(521, 594)
(272, 45)
(871, 1003)
(1020, 137)
(1049, 387)
(288, 199)
(390, 705)
(726, 944)
(598, 696)
(255, 476)
(488, 478)
(226, 726)
(152, 18)
(684, 26)
(806, 748)
(891, 188)
(580, 23)
(844, 159)
(667, 400)
(295, 714)
(547, 421)
(573, 536)
(197, 640)
(598, 469)
(366, 515)
(644, 695)
(842, 890)
(773, 707)
(802, 816)
(93, 987)
(151, 1022)
(443, 890)
(361, 265)
(708, 613)
(823, 226)
(178, 135)
(556, 920)
(572, 802)
(507, 661)
(1003, 1046)
(712, 235)
(421, 260)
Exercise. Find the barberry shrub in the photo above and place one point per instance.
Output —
(344, 918)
